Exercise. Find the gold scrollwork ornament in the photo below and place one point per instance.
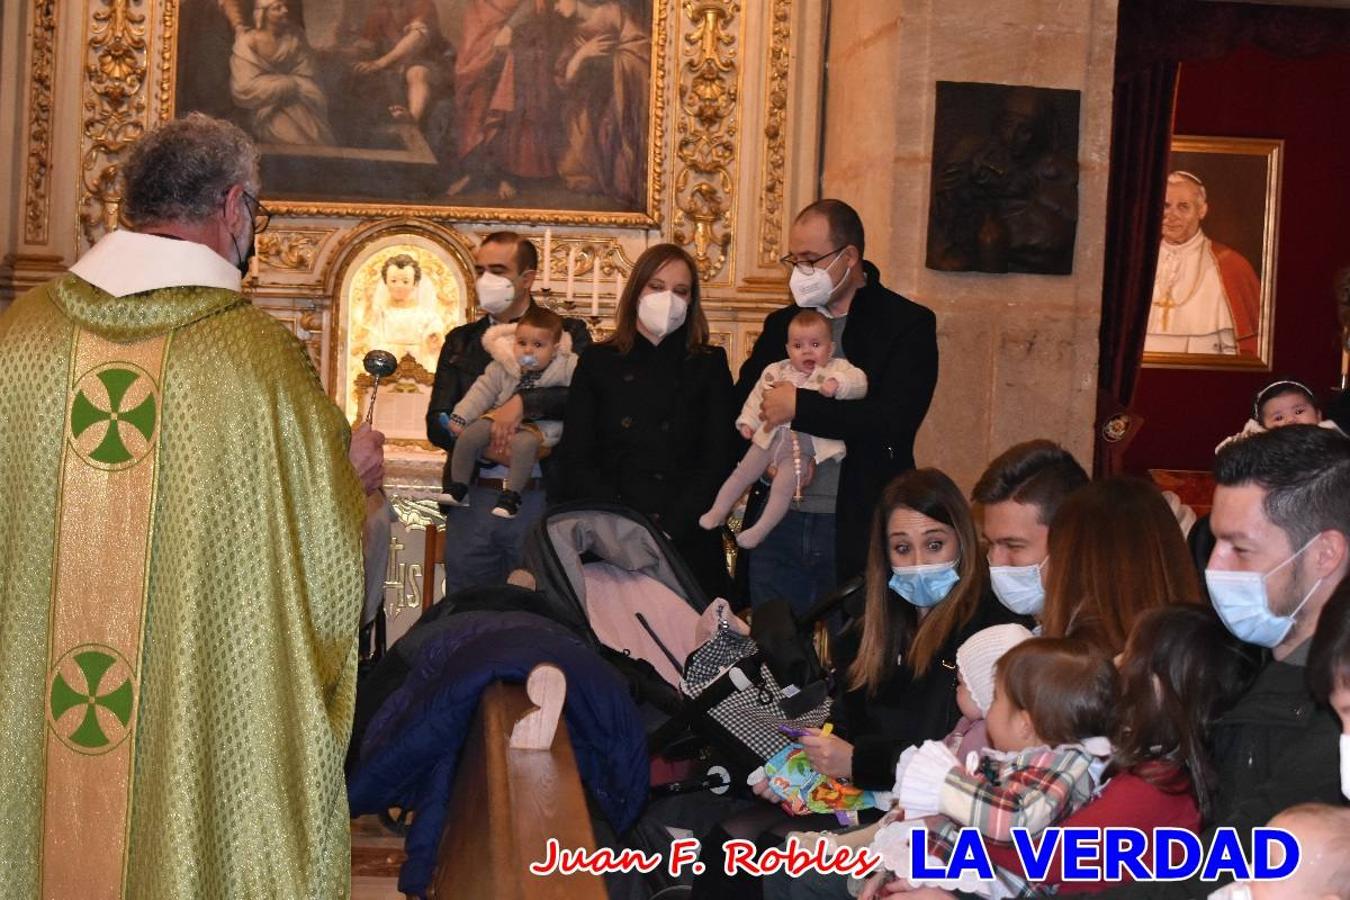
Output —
(706, 148)
(289, 250)
(114, 108)
(775, 134)
(43, 65)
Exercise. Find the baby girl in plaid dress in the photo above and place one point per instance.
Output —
(1053, 701)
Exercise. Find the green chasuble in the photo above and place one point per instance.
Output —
(180, 588)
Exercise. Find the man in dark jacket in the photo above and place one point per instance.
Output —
(894, 341)
(1281, 522)
(481, 548)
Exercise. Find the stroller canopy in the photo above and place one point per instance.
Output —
(611, 574)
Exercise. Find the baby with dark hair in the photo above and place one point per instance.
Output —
(533, 352)
(1278, 404)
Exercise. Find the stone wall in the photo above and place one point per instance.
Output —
(1019, 352)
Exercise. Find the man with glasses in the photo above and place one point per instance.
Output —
(893, 340)
(181, 571)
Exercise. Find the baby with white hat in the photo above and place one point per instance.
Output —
(975, 661)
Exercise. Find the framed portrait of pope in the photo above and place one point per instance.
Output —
(1213, 303)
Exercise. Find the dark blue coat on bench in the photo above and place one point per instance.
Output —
(414, 744)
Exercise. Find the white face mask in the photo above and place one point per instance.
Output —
(1019, 588)
(1345, 765)
(815, 289)
(495, 293)
(661, 312)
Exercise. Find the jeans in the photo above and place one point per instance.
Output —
(481, 548)
(795, 561)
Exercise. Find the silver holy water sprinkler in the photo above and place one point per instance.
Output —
(380, 364)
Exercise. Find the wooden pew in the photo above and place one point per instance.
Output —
(508, 802)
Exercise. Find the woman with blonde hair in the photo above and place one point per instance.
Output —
(1115, 551)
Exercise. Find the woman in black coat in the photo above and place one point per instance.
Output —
(649, 412)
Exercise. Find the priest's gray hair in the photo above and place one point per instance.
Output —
(1180, 177)
(181, 171)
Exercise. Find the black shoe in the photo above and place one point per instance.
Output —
(508, 504)
(456, 491)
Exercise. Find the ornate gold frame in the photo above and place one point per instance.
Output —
(656, 148)
(1273, 151)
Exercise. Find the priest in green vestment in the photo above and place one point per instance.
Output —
(180, 567)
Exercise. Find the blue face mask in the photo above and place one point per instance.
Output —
(1241, 600)
(1019, 588)
(924, 586)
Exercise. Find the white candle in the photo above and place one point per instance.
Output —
(595, 285)
(571, 272)
(548, 257)
(618, 285)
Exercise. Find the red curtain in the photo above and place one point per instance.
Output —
(1153, 38)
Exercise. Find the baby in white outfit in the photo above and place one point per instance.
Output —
(811, 364)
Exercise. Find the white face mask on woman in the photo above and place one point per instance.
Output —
(661, 312)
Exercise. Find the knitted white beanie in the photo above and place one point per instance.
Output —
(975, 659)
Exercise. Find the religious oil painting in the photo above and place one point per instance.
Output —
(502, 109)
(1004, 188)
(1214, 288)
(403, 295)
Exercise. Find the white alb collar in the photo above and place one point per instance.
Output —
(1189, 245)
(128, 262)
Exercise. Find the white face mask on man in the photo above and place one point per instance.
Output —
(815, 288)
(495, 293)
(661, 312)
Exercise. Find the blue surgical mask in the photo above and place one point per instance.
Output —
(1242, 603)
(1019, 588)
(924, 586)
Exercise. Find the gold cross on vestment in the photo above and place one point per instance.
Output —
(1166, 304)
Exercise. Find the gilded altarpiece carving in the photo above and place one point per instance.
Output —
(734, 111)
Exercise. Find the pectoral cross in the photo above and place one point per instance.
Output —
(1166, 304)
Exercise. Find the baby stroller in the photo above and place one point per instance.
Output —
(713, 698)
(608, 579)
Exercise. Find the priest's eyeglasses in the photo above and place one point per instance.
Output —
(806, 264)
(262, 216)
